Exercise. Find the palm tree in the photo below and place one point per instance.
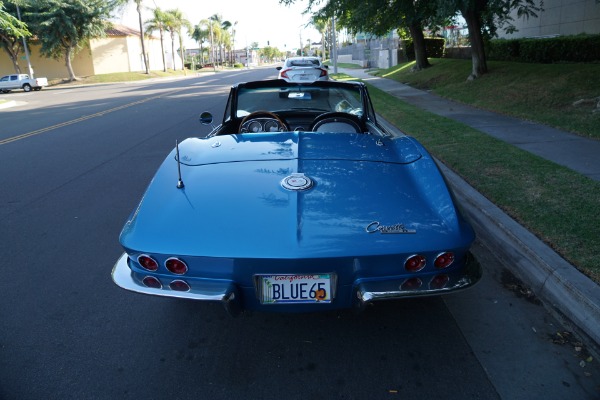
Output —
(213, 29)
(171, 26)
(221, 32)
(233, 42)
(176, 22)
(158, 23)
(200, 35)
(225, 38)
(320, 25)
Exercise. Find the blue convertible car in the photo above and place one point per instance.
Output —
(299, 200)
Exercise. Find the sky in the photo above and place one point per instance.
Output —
(264, 21)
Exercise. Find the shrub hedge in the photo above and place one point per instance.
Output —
(578, 48)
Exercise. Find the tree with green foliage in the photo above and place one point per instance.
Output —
(221, 33)
(320, 24)
(484, 18)
(270, 53)
(12, 32)
(201, 34)
(379, 17)
(213, 29)
(64, 27)
(175, 23)
(158, 22)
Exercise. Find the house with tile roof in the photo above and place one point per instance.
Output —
(119, 51)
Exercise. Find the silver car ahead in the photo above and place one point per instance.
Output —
(303, 69)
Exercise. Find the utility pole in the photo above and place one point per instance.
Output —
(139, 11)
(25, 47)
(334, 44)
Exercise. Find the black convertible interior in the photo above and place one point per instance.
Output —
(280, 106)
(334, 122)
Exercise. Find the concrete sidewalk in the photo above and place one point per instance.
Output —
(559, 284)
(575, 152)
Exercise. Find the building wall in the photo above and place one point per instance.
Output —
(106, 55)
(560, 17)
(110, 55)
(48, 67)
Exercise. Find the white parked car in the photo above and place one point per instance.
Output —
(303, 69)
(21, 81)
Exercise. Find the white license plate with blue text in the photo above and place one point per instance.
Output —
(286, 289)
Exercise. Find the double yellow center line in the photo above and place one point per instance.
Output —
(84, 118)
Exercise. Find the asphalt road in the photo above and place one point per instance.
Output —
(73, 165)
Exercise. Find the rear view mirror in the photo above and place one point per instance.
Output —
(206, 118)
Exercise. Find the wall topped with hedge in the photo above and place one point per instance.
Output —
(578, 48)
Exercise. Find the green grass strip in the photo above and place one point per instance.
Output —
(558, 205)
(564, 96)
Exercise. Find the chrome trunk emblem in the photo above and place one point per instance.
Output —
(296, 182)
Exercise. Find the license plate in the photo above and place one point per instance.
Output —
(286, 289)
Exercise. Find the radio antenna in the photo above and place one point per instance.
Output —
(180, 184)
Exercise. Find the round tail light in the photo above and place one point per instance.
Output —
(444, 260)
(414, 263)
(147, 262)
(439, 281)
(411, 284)
(179, 286)
(152, 282)
(176, 266)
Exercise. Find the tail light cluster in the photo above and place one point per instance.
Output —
(437, 282)
(173, 264)
(286, 76)
(417, 262)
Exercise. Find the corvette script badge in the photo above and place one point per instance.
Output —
(375, 226)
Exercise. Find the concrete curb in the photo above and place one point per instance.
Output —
(555, 281)
(558, 283)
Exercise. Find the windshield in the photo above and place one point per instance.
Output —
(302, 97)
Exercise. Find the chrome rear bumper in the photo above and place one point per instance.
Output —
(216, 291)
(458, 279)
(228, 294)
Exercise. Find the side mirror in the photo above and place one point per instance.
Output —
(278, 68)
(206, 118)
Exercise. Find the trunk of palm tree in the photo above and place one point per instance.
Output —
(139, 5)
(173, 50)
(181, 54)
(162, 50)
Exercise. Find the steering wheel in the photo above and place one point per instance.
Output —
(262, 115)
(336, 122)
